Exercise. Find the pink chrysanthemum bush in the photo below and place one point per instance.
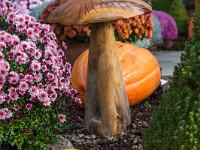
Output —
(35, 100)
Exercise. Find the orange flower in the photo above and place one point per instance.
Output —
(53, 26)
(88, 32)
(120, 34)
(130, 31)
(136, 18)
(120, 22)
(67, 28)
(72, 33)
(127, 36)
(142, 29)
(136, 30)
(142, 17)
(134, 23)
(85, 28)
(146, 31)
(119, 30)
(130, 21)
(62, 37)
(58, 30)
(58, 41)
(124, 25)
(65, 32)
(125, 30)
(41, 16)
(139, 35)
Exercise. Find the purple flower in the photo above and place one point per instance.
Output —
(168, 25)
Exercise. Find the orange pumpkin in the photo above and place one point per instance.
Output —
(140, 69)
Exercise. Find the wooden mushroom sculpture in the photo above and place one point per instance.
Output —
(106, 104)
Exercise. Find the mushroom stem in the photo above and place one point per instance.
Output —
(107, 107)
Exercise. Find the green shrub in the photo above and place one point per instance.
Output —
(176, 122)
(162, 5)
(178, 12)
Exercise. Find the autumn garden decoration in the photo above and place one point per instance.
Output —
(35, 100)
(107, 109)
(139, 67)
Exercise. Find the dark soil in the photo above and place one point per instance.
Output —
(129, 140)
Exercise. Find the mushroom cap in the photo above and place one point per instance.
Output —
(82, 12)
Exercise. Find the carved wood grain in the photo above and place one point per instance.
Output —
(81, 12)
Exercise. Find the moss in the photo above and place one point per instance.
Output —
(176, 122)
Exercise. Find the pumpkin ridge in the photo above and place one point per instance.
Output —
(145, 93)
(142, 79)
(82, 77)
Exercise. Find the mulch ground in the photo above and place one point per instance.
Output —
(129, 140)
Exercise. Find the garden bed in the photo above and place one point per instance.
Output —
(131, 139)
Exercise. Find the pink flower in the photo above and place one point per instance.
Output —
(14, 75)
(3, 73)
(50, 76)
(5, 113)
(30, 32)
(1, 56)
(78, 100)
(38, 55)
(34, 91)
(29, 106)
(44, 68)
(53, 96)
(68, 66)
(4, 65)
(14, 96)
(2, 45)
(49, 89)
(21, 92)
(43, 96)
(12, 90)
(40, 86)
(2, 114)
(29, 78)
(32, 99)
(1, 99)
(35, 65)
(38, 77)
(13, 81)
(48, 54)
(47, 102)
(23, 86)
(64, 45)
(62, 118)
(16, 107)
(8, 113)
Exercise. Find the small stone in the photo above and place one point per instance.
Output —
(81, 135)
(93, 136)
(135, 140)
